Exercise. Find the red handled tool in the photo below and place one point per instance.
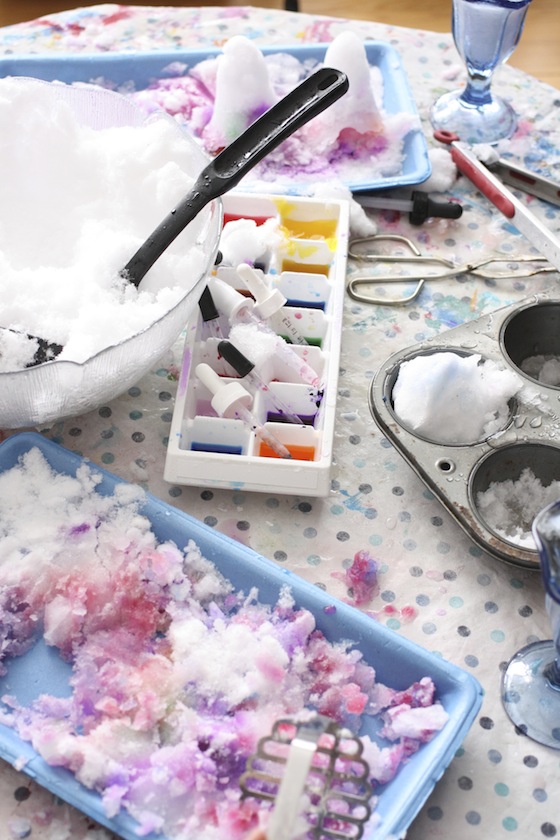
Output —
(467, 162)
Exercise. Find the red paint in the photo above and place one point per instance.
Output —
(114, 18)
(236, 217)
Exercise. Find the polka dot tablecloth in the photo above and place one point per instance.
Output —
(436, 587)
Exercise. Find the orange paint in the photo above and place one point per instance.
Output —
(298, 452)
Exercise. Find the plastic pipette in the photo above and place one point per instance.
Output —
(246, 370)
(270, 304)
(231, 399)
(419, 206)
(210, 315)
(239, 308)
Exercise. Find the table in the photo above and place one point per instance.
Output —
(437, 587)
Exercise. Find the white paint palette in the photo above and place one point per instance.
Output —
(307, 266)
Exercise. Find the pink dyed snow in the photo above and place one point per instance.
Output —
(351, 141)
(361, 578)
(175, 676)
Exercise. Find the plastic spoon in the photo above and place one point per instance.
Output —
(304, 102)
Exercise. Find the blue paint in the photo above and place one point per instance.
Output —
(222, 448)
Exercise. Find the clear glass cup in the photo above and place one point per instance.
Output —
(531, 682)
(486, 32)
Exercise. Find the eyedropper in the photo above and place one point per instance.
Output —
(270, 304)
(246, 370)
(419, 206)
(231, 399)
(239, 308)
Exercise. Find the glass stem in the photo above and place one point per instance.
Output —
(552, 674)
(552, 671)
(477, 91)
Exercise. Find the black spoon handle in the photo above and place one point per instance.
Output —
(303, 103)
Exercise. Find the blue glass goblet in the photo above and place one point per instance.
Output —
(486, 33)
(531, 682)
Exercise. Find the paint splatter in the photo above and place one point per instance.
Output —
(360, 578)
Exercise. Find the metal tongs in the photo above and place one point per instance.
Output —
(314, 773)
(479, 172)
(362, 250)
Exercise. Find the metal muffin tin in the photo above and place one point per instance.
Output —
(530, 437)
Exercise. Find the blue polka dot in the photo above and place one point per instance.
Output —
(509, 823)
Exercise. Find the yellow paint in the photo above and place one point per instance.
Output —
(284, 205)
(321, 228)
(304, 268)
(311, 228)
(305, 249)
(474, 299)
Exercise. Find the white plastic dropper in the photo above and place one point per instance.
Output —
(239, 308)
(270, 304)
(246, 370)
(231, 399)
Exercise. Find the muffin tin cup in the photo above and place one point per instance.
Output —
(458, 473)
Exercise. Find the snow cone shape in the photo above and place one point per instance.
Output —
(357, 109)
(243, 91)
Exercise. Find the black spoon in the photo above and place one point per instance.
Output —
(294, 110)
(303, 103)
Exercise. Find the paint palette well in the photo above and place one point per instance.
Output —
(307, 267)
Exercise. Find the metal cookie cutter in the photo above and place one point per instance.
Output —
(314, 773)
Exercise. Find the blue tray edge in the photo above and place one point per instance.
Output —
(464, 684)
(65, 67)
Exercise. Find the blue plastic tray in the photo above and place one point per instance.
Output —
(142, 68)
(397, 661)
